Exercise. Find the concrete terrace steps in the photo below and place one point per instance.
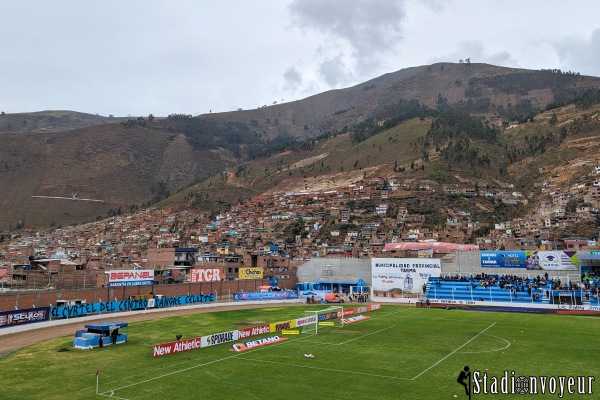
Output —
(463, 290)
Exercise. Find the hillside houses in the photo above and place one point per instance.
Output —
(273, 232)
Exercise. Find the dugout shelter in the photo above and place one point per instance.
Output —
(100, 335)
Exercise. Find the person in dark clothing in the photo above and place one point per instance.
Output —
(114, 334)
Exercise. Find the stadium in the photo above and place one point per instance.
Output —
(425, 332)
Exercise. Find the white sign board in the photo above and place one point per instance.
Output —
(406, 274)
(130, 277)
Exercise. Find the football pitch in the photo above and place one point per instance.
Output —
(396, 353)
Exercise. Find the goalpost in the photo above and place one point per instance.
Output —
(325, 317)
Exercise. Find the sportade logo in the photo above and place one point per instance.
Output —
(220, 338)
(512, 383)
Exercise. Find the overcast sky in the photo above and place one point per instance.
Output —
(136, 57)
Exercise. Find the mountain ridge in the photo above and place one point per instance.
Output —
(135, 161)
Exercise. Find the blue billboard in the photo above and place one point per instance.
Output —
(504, 259)
(279, 295)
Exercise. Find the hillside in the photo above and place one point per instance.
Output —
(83, 174)
(480, 89)
(66, 168)
(521, 159)
(51, 121)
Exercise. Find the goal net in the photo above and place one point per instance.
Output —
(327, 317)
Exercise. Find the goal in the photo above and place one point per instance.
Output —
(325, 317)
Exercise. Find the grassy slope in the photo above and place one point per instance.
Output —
(334, 160)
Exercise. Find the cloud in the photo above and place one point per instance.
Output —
(581, 52)
(292, 78)
(334, 72)
(371, 29)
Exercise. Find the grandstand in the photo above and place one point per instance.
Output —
(504, 288)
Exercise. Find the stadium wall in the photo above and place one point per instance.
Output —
(40, 298)
(312, 270)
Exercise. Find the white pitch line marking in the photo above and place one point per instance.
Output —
(454, 351)
(489, 351)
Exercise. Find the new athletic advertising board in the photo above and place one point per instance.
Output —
(131, 277)
(205, 275)
(407, 274)
(164, 349)
(175, 347)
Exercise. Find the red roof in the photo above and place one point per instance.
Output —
(438, 247)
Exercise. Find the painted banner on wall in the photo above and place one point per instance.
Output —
(403, 274)
(127, 305)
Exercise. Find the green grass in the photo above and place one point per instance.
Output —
(399, 353)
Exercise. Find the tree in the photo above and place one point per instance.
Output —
(571, 206)
(441, 101)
